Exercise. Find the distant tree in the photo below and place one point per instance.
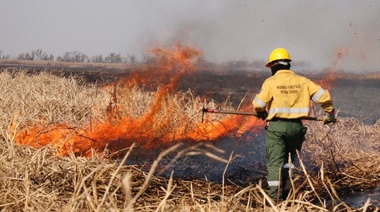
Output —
(132, 59)
(59, 58)
(6, 57)
(25, 56)
(50, 58)
(39, 55)
(81, 58)
(3, 56)
(113, 58)
(21, 56)
(97, 59)
(73, 56)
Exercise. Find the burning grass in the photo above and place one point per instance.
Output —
(339, 162)
(86, 147)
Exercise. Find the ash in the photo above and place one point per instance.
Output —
(247, 164)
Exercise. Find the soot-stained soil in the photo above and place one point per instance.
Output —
(247, 153)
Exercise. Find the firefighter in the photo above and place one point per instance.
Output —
(283, 100)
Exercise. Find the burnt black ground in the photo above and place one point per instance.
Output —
(248, 164)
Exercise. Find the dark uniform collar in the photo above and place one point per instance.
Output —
(284, 71)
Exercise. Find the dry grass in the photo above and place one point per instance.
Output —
(48, 99)
(345, 156)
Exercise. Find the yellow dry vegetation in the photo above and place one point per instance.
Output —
(39, 179)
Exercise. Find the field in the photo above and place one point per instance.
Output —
(81, 137)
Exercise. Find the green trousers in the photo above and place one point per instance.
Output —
(283, 139)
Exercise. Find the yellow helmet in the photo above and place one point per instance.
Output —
(278, 54)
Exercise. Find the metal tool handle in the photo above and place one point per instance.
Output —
(207, 110)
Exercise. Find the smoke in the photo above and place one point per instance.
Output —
(312, 31)
(224, 30)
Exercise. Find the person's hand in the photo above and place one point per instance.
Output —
(329, 118)
(262, 115)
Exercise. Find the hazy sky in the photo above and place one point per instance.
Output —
(225, 30)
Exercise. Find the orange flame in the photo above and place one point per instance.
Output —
(119, 132)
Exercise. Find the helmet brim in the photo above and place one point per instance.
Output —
(269, 63)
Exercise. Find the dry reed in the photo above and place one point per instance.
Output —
(38, 180)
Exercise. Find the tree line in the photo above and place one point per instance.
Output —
(71, 56)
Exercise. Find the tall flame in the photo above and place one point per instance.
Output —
(150, 129)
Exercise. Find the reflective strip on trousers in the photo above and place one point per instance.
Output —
(289, 110)
(288, 166)
(274, 183)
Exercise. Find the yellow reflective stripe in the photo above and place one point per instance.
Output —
(274, 183)
(289, 110)
(259, 102)
(318, 95)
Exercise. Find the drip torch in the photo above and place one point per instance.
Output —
(207, 110)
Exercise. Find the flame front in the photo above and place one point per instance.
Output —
(151, 128)
(162, 122)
